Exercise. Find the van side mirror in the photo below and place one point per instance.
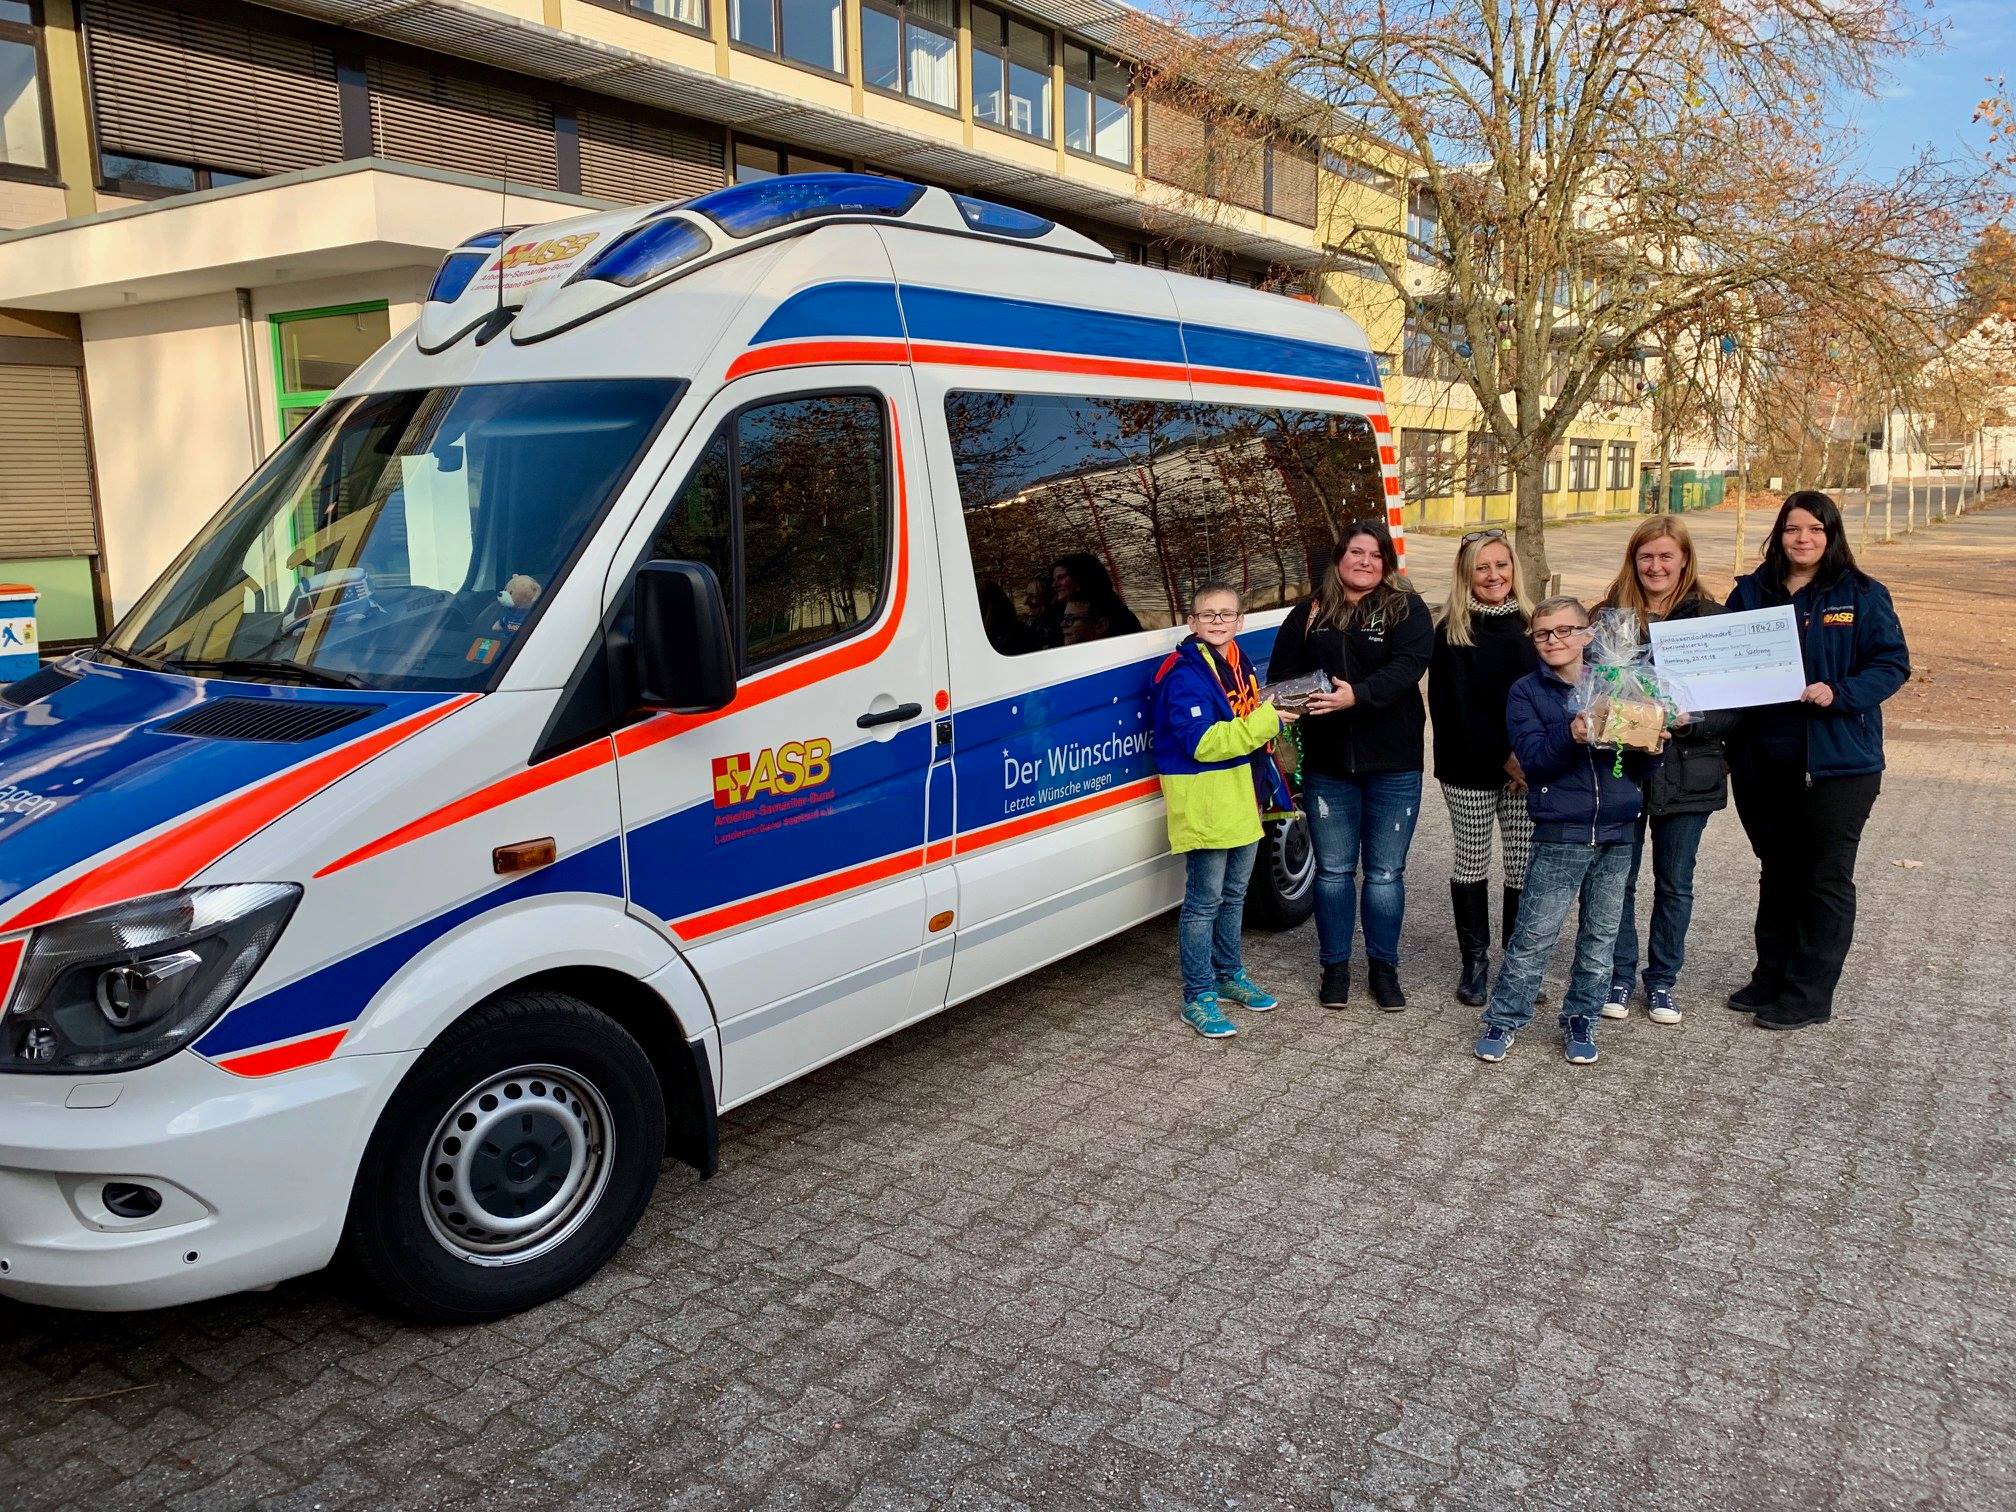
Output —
(685, 655)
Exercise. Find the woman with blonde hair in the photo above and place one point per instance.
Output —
(1481, 649)
(1659, 581)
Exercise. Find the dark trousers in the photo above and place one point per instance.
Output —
(1805, 838)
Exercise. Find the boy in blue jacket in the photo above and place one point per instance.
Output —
(1211, 733)
(1584, 818)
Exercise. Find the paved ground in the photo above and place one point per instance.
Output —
(1051, 1249)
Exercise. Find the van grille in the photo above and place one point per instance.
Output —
(268, 719)
(36, 685)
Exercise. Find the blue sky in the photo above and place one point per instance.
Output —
(1929, 98)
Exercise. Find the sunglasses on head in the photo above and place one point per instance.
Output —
(1493, 534)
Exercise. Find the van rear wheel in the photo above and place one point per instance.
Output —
(1282, 893)
(513, 1161)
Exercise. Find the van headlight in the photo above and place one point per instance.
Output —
(129, 985)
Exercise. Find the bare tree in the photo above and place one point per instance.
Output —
(1586, 176)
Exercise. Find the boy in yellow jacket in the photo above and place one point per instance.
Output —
(1211, 734)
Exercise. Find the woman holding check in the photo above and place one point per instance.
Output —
(1806, 774)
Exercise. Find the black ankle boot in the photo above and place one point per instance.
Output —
(1336, 989)
(1383, 977)
(1471, 904)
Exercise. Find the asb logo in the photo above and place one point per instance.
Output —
(787, 768)
(538, 254)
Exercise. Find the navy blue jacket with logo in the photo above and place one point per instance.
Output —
(1853, 643)
(1570, 793)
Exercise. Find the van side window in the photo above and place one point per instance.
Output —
(1092, 518)
(789, 504)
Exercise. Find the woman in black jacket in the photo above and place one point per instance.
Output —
(1806, 773)
(1481, 649)
(1659, 581)
(1362, 748)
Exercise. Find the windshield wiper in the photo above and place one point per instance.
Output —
(131, 658)
(254, 666)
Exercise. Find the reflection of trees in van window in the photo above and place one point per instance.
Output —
(699, 527)
(813, 476)
(1162, 494)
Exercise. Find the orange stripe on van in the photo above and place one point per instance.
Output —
(782, 899)
(307, 1052)
(171, 859)
(816, 353)
(1077, 808)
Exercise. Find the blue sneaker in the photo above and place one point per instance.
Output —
(1201, 1013)
(1241, 989)
(1493, 1043)
(1578, 1042)
(1660, 1007)
(1618, 1005)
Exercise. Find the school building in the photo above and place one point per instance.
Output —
(211, 211)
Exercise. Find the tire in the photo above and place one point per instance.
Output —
(1283, 891)
(569, 1130)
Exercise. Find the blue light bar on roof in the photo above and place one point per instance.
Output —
(643, 252)
(999, 220)
(491, 238)
(746, 209)
(451, 281)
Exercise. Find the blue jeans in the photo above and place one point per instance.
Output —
(1372, 817)
(1676, 840)
(1214, 905)
(1555, 876)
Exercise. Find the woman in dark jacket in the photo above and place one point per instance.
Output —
(1362, 749)
(1806, 774)
(1659, 581)
(1481, 649)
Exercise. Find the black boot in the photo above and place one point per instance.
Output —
(1471, 903)
(1336, 989)
(1383, 977)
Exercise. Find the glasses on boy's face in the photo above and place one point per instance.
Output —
(1214, 616)
(1555, 634)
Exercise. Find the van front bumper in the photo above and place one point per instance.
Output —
(254, 1177)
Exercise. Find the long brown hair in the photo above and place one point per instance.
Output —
(1456, 613)
(1388, 601)
(1626, 592)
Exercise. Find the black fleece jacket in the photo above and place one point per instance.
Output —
(1383, 661)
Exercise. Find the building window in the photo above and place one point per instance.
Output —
(812, 32)
(24, 112)
(691, 14)
(1623, 464)
(142, 177)
(1488, 472)
(759, 160)
(1097, 117)
(1584, 460)
(1421, 356)
(1424, 227)
(1355, 172)
(912, 49)
(1011, 73)
(315, 350)
(1427, 464)
(1552, 483)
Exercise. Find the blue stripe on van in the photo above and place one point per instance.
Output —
(835, 309)
(1210, 346)
(951, 315)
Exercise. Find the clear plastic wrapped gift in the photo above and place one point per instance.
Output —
(1292, 694)
(1628, 702)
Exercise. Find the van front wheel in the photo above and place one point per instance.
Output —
(1282, 893)
(514, 1159)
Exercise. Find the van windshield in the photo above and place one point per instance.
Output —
(400, 540)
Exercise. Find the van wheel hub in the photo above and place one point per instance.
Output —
(516, 1165)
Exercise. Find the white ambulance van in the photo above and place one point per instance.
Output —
(714, 637)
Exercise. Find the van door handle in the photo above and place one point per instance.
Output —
(890, 716)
